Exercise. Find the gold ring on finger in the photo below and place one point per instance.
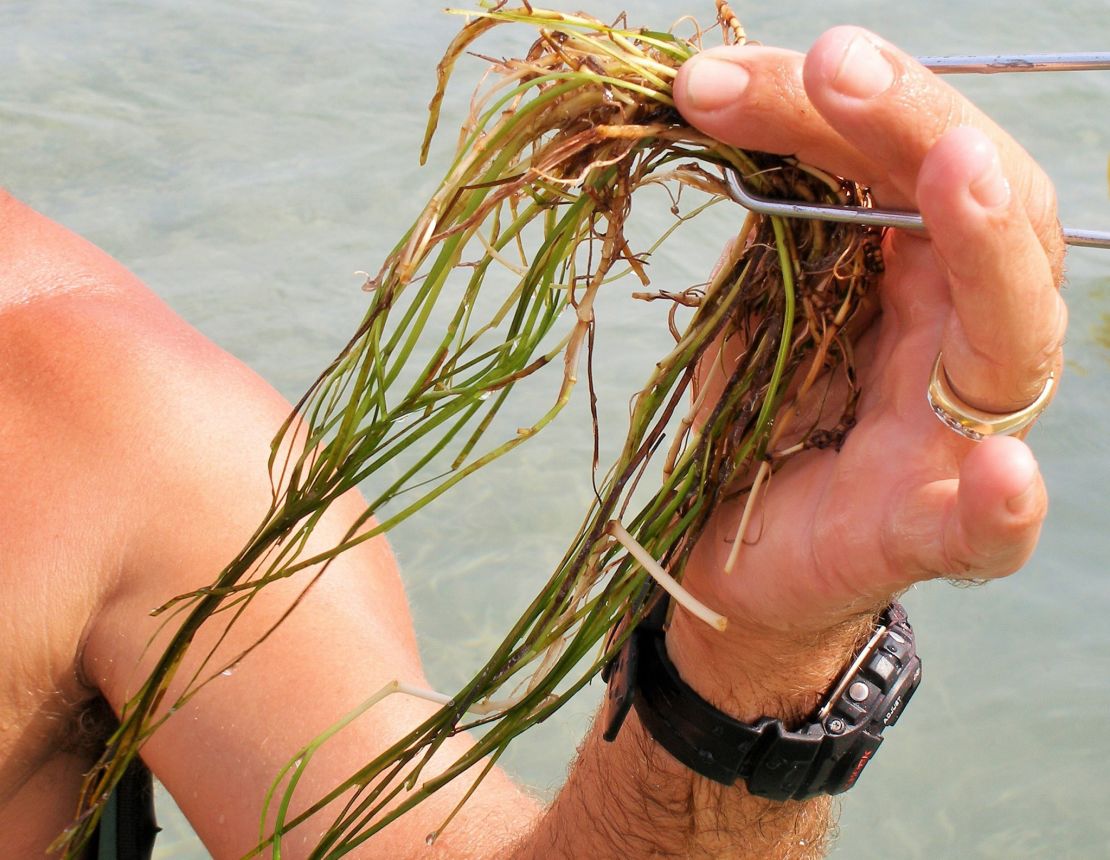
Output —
(975, 424)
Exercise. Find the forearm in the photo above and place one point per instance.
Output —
(631, 798)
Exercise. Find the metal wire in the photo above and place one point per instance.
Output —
(971, 64)
(872, 217)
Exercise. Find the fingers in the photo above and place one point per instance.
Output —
(753, 98)
(854, 105)
(860, 107)
(983, 525)
(1006, 330)
(893, 110)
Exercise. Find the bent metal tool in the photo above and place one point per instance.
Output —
(995, 64)
(869, 217)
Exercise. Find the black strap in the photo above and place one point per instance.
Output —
(824, 756)
(702, 737)
(128, 827)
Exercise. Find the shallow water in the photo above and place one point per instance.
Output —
(245, 158)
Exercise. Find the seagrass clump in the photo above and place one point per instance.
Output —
(555, 148)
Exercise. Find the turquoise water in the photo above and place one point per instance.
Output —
(246, 158)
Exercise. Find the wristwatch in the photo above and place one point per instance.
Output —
(824, 756)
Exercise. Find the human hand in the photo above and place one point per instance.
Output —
(905, 499)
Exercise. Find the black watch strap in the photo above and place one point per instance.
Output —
(824, 756)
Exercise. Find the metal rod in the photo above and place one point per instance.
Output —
(871, 217)
(994, 64)
(970, 64)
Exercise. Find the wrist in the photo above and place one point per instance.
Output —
(763, 725)
(748, 672)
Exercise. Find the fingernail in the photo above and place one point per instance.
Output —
(1022, 503)
(712, 84)
(990, 188)
(862, 72)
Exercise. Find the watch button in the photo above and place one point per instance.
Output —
(895, 645)
(883, 670)
(896, 701)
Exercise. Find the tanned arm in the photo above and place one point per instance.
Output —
(904, 500)
(640, 802)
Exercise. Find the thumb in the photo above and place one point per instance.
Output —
(982, 525)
